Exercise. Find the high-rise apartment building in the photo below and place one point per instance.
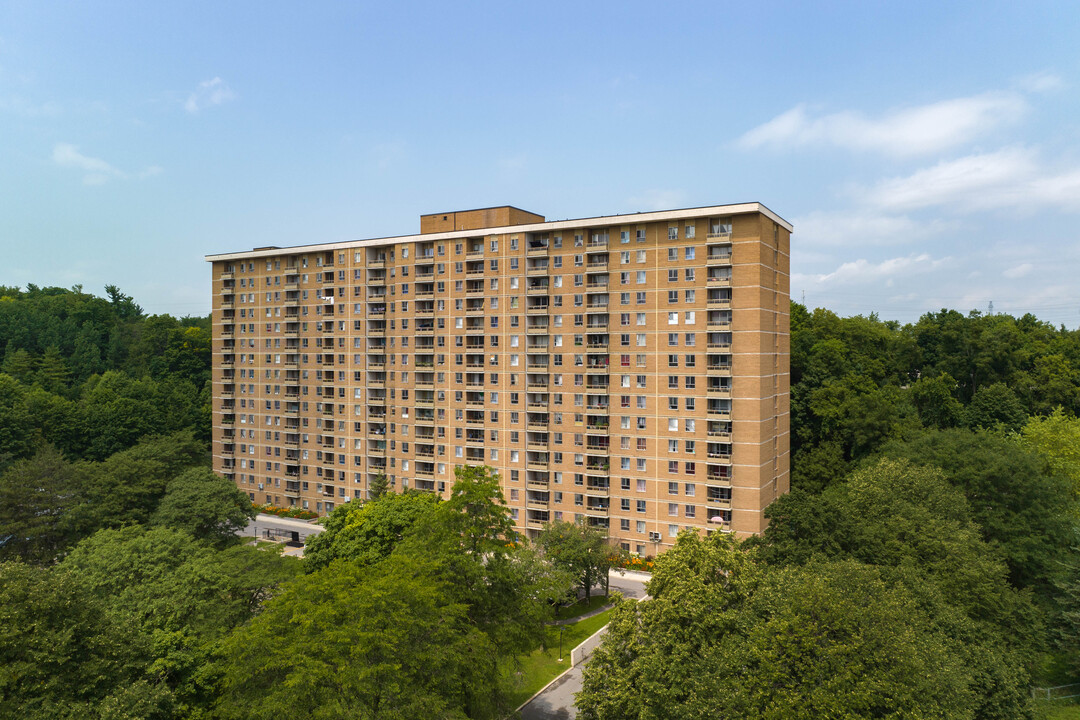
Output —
(630, 371)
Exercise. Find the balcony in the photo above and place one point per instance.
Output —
(719, 299)
(718, 258)
(719, 233)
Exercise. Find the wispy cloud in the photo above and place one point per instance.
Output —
(96, 171)
(1010, 178)
(903, 132)
(1019, 271)
(209, 93)
(864, 271)
(862, 227)
(1041, 82)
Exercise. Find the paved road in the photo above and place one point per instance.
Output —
(556, 702)
(262, 524)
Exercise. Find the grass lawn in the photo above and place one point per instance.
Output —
(1060, 710)
(541, 666)
(581, 607)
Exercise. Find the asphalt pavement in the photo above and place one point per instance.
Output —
(556, 701)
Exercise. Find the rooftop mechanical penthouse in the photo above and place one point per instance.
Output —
(628, 371)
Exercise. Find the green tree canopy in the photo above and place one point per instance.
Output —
(63, 655)
(580, 550)
(40, 507)
(725, 636)
(366, 533)
(205, 505)
(382, 641)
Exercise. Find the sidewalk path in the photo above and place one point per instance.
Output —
(556, 702)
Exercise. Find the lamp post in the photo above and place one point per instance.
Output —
(560, 642)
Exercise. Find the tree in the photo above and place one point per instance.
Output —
(996, 405)
(1056, 437)
(915, 528)
(19, 364)
(127, 487)
(1021, 510)
(477, 509)
(933, 398)
(179, 594)
(16, 433)
(383, 641)
(725, 636)
(40, 502)
(64, 655)
(52, 372)
(204, 504)
(581, 550)
(379, 486)
(367, 533)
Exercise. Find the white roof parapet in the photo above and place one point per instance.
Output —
(551, 225)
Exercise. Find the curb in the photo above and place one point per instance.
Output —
(560, 675)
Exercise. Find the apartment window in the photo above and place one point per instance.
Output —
(624, 298)
(641, 298)
(689, 253)
(673, 275)
(624, 236)
(624, 257)
(690, 296)
(673, 233)
(672, 297)
(641, 506)
(641, 318)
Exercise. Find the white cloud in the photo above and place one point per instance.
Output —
(904, 132)
(96, 171)
(861, 228)
(209, 93)
(864, 271)
(1011, 178)
(1019, 271)
(1041, 82)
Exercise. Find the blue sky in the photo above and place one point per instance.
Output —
(928, 154)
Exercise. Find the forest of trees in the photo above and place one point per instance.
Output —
(925, 564)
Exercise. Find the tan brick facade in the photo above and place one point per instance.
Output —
(628, 370)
